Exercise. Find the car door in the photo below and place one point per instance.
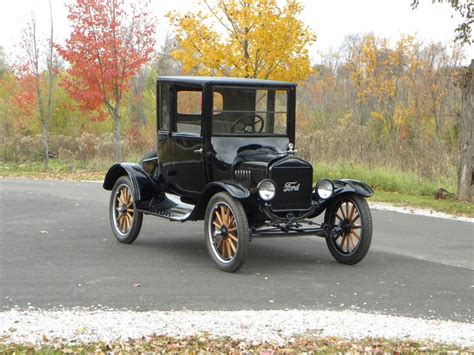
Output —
(188, 174)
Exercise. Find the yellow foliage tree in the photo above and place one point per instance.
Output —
(379, 71)
(244, 38)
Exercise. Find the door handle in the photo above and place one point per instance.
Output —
(199, 151)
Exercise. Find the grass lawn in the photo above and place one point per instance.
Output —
(449, 205)
(393, 187)
(57, 171)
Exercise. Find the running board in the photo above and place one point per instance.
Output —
(171, 207)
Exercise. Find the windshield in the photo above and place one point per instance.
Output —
(240, 111)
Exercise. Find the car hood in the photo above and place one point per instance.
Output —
(259, 155)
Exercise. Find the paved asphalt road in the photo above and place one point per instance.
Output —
(417, 266)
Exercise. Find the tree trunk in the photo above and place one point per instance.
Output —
(45, 145)
(51, 77)
(465, 172)
(117, 134)
(44, 126)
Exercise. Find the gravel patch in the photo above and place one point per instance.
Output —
(418, 211)
(78, 326)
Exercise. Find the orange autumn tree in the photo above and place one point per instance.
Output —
(109, 42)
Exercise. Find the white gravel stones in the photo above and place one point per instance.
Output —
(418, 211)
(83, 326)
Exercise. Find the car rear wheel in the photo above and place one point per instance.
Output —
(226, 232)
(125, 220)
(350, 214)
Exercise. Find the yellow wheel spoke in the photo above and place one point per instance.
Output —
(120, 197)
(122, 223)
(223, 247)
(223, 215)
(229, 252)
(343, 242)
(229, 217)
(355, 235)
(353, 242)
(348, 243)
(342, 211)
(231, 243)
(130, 221)
(217, 224)
(352, 212)
(127, 223)
(219, 217)
(231, 236)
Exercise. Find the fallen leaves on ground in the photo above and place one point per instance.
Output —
(205, 344)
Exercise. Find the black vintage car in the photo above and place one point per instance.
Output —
(226, 154)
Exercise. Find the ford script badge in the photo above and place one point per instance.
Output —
(291, 186)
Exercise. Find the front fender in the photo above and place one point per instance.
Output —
(355, 186)
(341, 187)
(232, 188)
(144, 188)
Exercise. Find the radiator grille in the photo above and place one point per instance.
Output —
(293, 186)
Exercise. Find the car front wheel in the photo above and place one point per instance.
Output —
(226, 232)
(125, 220)
(349, 214)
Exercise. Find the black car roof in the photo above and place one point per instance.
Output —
(214, 80)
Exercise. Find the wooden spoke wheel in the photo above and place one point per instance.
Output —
(125, 220)
(226, 231)
(123, 209)
(350, 218)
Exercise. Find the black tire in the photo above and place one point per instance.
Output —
(226, 232)
(125, 220)
(351, 212)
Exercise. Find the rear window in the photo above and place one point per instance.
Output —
(189, 102)
(188, 112)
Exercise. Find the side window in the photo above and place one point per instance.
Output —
(165, 116)
(188, 111)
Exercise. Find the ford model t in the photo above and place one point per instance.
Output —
(226, 154)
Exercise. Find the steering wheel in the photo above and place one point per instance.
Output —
(248, 127)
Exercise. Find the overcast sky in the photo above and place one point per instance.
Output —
(332, 21)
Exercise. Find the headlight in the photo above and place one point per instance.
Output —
(266, 190)
(325, 188)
